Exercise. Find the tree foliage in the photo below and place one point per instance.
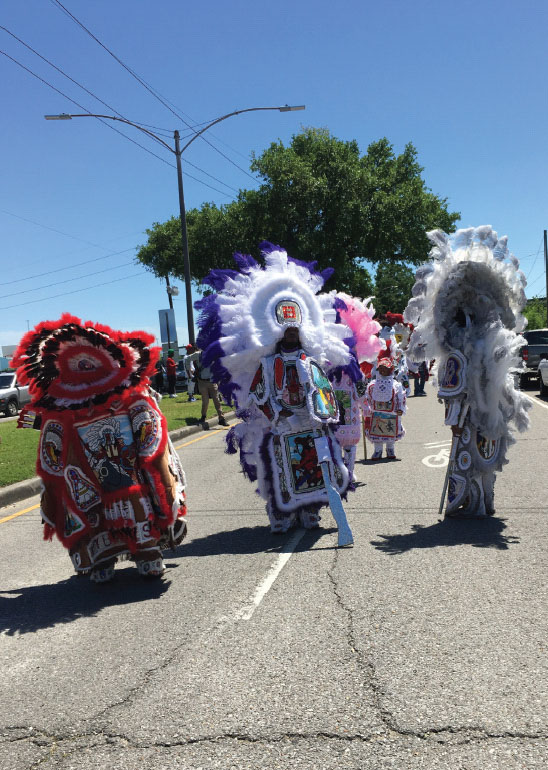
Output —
(535, 312)
(393, 284)
(321, 200)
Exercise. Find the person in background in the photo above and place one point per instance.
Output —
(171, 372)
(159, 377)
(192, 355)
(207, 389)
(421, 379)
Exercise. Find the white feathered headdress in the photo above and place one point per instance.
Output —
(469, 298)
(252, 306)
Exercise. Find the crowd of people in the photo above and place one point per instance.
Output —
(308, 372)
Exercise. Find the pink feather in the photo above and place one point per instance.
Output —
(359, 319)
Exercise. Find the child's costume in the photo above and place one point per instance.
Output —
(386, 400)
(113, 485)
(349, 382)
(395, 334)
(282, 395)
(466, 311)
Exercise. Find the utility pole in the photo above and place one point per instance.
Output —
(171, 308)
(184, 240)
(546, 272)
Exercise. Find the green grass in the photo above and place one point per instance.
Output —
(179, 413)
(18, 448)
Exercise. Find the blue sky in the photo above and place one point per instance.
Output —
(464, 82)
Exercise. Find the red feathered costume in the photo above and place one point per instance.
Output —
(113, 485)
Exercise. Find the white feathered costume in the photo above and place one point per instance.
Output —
(466, 310)
(282, 396)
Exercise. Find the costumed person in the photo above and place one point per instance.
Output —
(113, 486)
(386, 399)
(395, 335)
(266, 334)
(466, 309)
(349, 382)
(171, 373)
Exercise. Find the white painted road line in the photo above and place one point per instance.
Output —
(264, 587)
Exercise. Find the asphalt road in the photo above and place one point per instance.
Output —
(424, 646)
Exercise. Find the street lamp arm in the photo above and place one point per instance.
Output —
(178, 153)
(237, 112)
(65, 116)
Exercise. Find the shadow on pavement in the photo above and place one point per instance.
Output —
(245, 540)
(480, 533)
(23, 610)
(235, 541)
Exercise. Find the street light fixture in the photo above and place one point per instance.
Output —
(178, 152)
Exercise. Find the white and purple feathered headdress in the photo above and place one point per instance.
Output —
(244, 320)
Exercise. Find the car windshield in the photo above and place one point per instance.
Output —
(6, 380)
(181, 366)
(537, 337)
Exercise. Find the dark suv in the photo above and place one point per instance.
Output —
(533, 353)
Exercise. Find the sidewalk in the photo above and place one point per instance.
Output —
(14, 493)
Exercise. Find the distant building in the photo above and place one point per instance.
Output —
(8, 350)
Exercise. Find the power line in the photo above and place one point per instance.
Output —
(535, 259)
(66, 293)
(42, 80)
(105, 123)
(151, 90)
(53, 229)
(59, 269)
(535, 280)
(68, 235)
(62, 72)
(109, 106)
(68, 280)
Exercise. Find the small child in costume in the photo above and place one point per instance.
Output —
(386, 399)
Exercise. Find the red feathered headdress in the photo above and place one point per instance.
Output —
(69, 364)
(386, 353)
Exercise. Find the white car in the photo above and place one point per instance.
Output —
(543, 377)
(12, 395)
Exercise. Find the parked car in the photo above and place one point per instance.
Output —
(533, 353)
(543, 377)
(181, 379)
(12, 395)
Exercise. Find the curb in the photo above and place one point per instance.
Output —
(21, 490)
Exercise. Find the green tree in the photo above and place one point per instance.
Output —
(393, 284)
(535, 312)
(321, 200)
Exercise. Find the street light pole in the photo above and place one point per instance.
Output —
(184, 239)
(182, 211)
